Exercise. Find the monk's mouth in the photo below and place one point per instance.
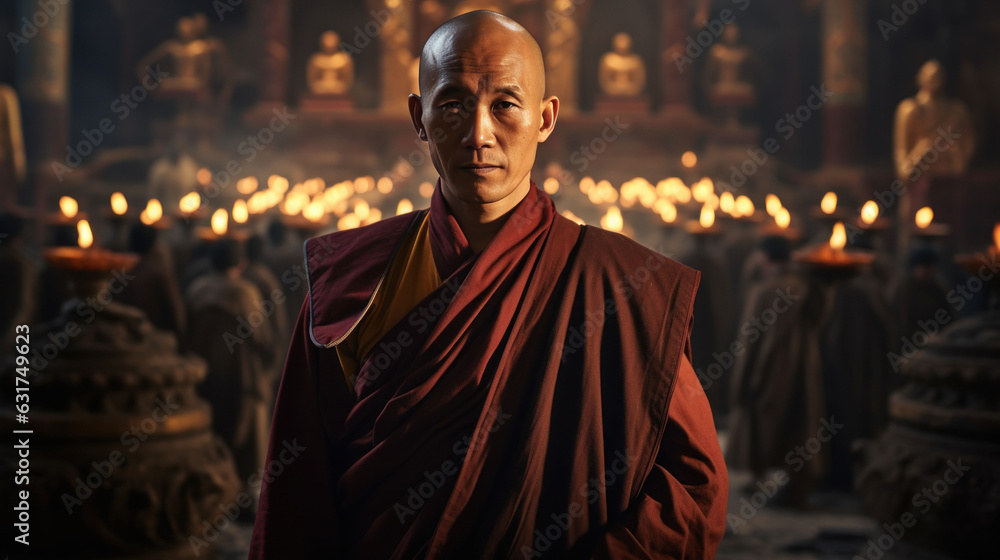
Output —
(481, 169)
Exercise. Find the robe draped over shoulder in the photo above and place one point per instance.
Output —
(539, 403)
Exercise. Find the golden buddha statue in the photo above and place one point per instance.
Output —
(187, 60)
(725, 76)
(931, 130)
(621, 72)
(330, 71)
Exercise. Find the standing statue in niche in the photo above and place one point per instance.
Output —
(562, 60)
(727, 76)
(918, 140)
(330, 76)
(622, 77)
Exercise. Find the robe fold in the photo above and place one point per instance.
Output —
(538, 403)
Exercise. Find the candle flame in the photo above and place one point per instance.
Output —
(689, 159)
(154, 210)
(190, 202)
(118, 203)
(85, 237)
(613, 221)
(220, 222)
(426, 189)
(782, 218)
(571, 216)
(772, 203)
(404, 207)
(707, 217)
(727, 203)
(314, 210)
(247, 185)
(702, 190)
(384, 185)
(996, 236)
(551, 185)
(277, 183)
(744, 205)
(869, 212)
(838, 239)
(829, 203)
(68, 206)
(240, 212)
(924, 217)
(668, 213)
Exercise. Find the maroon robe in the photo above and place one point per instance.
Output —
(521, 409)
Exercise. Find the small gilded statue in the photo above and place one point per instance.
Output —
(330, 71)
(621, 72)
(931, 130)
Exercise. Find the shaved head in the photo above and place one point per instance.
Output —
(444, 47)
(482, 111)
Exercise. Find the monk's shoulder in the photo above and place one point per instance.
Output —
(353, 247)
(615, 253)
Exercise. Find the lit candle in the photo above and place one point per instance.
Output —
(551, 185)
(241, 213)
(782, 218)
(118, 204)
(924, 217)
(190, 203)
(220, 222)
(869, 212)
(152, 213)
(829, 203)
(85, 237)
(689, 159)
(612, 220)
(772, 204)
(404, 207)
(838, 239)
(68, 207)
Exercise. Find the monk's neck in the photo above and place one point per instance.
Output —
(481, 222)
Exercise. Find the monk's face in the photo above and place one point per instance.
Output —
(483, 114)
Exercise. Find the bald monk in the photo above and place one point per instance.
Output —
(485, 378)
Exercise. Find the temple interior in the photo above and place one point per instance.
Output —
(829, 166)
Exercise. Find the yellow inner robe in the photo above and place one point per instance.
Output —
(411, 277)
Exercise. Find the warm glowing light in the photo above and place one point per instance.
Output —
(294, 203)
(220, 222)
(869, 212)
(349, 221)
(744, 206)
(240, 212)
(314, 210)
(829, 203)
(247, 185)
(361, 209)
(68, 206)
(702, 190)
(668, 213)
(426, 189)
(551, 185)
(373, 216)
(726, 202)
(384, 185)
(682, 193)
(571, 216)
(85, 237)
(838, 239)
(404, 207)
(118, 203)
(586, 184)
(277, 183)
(996, 237)
(924, 217)
(707, 217)
(689, 159)
(190, 202)
(203, 176)
(154, 210)
(782, 218)
(772, 204)
(612, 220)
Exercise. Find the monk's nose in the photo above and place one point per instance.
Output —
(479, 129)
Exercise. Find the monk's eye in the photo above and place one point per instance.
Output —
(505, 105)
(452, 105)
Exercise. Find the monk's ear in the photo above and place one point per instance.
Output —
(417, 115)
(550, 111)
